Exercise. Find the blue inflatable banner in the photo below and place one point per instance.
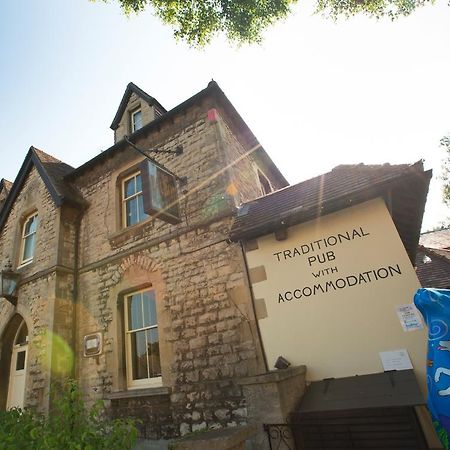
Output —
(434, 304)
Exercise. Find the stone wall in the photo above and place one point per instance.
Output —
(242, 162)
(45, 291)
(206, 324)
(86, 262)
(34, 197)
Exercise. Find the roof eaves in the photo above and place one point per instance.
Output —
(301, 214)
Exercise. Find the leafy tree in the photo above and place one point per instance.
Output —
(373, 8)
(244, 21)
(445, 174)
(70, 426)
(197, 22)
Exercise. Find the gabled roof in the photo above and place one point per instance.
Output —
(404, 186)
(212, 90)
(433, 267)
(439, 239)
(131, 87)
(52, 172)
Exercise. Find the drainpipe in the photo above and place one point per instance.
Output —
(75, 292)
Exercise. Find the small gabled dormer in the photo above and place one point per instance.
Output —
(5, 187)
(136, 110)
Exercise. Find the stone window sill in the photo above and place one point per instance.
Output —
(133, 393)
(123, 235)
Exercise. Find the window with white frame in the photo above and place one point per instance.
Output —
(136, 120)
(143, 362)
(132, 200)
(28, 238)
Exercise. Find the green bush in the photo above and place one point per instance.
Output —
(70, 426)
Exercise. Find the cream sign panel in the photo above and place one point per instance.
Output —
(327, 296)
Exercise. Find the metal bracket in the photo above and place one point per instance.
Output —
(177, 152)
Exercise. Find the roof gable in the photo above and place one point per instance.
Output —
(212, 90)
(52, 172)
(126, 98)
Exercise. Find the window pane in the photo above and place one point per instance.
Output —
(28, 247)
(149, 309)
(141, 213)
(139, 355)
(129, 187)
(30, 225)
(153, 353)
(22, 335)
(135, 312)
(138, 183)
(20, 362)
(137, 120)
(132, 211)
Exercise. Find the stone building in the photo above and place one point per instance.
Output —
(148, 306)
(166, 274)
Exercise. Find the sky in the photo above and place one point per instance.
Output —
(316, 93)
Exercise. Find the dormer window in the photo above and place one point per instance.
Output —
(28, 238)
(136, 120)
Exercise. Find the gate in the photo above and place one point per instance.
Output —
(280, 436)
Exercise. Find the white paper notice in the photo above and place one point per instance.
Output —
(396, 360)
(409, 317)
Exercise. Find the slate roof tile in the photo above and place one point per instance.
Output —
(433, 268)
(56, 170)
(317, 196)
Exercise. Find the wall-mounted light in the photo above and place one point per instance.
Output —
(8, 283)
(282, 363)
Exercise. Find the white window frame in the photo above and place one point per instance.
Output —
(125, 200)
(146, 382)
(24, 237)
(133, 120)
